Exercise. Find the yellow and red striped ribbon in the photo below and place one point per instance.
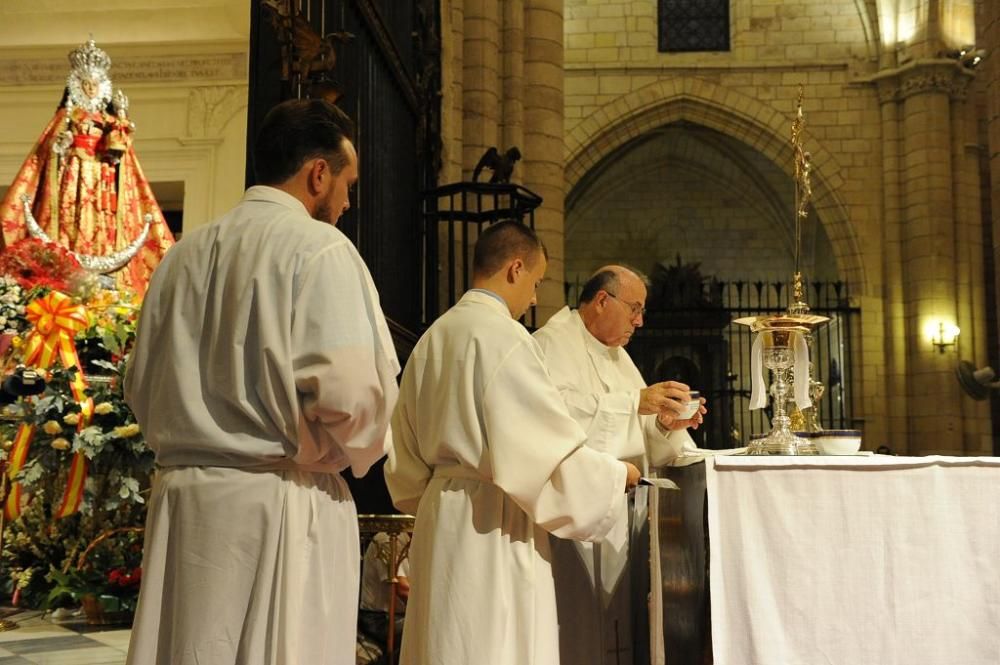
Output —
(57, 320)
(18, 454)
(73, 493)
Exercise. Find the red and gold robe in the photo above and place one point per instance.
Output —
(93, 197)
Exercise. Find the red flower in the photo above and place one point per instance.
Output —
(123, 577)
(34, 263)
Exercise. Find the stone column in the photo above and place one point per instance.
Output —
(896, 429)
(544, 161)
(989, 69)
(970, 269)
(936, 248)
(481, 80)
(512, 38)
(452, 42)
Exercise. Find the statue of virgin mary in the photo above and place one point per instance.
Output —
(82, 187)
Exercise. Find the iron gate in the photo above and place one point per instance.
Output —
(689, 336)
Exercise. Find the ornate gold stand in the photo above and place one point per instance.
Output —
(393, 525)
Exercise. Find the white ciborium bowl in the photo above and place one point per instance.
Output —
(838, 441)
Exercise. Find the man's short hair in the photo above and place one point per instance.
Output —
(295, 131)
(603, 280)
(503, 242)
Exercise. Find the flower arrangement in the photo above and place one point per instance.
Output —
(34, 263)
(105, 577)
(80, 460)
(12, 296)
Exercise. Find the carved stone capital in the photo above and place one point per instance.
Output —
(923, 77)
(210, 108)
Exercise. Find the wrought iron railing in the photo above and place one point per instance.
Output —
(689, 336)
(454, 216)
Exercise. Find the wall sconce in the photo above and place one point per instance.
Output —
(942, 334)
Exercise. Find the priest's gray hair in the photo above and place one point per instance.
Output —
(607, 280)
(603, 280)
(503, 242)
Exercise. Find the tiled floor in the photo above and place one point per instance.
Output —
(37, 641)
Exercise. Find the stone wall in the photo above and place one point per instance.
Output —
(891, 132)
(503, 86)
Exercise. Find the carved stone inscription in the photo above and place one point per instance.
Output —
(212, 67)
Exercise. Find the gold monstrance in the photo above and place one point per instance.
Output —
(782, 340)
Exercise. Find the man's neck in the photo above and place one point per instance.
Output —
(495, 287)
(294, 188)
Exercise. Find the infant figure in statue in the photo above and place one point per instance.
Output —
(82, 187)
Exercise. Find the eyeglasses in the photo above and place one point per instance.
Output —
(634, 307)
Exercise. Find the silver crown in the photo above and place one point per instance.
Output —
(89, 58)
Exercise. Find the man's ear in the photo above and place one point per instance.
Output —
(514, 269)
(319, 173)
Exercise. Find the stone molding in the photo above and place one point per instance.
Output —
(923, 76)
(131, 69)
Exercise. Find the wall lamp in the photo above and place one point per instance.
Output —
(943, 335)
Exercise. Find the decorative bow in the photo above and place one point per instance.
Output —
(57, 319)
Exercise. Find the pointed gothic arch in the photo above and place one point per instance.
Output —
(735, 115)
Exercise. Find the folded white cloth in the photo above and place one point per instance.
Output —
(854, 560)
(800, 351)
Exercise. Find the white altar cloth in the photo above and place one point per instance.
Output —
(855, 560)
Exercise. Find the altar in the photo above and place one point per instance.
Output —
(853, 560)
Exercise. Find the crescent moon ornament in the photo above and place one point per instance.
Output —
(99, 264)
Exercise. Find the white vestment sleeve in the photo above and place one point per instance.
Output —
(343, 371)
(406, 473)
(537, 454)
(664, 447)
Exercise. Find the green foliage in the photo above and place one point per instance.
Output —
(40, 555)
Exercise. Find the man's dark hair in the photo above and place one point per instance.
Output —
(603, 280)
(503, 242)
(296, 131)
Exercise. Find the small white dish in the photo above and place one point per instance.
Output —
(838, 441)
(691, 408)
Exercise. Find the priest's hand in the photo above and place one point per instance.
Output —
(632, 476)
(667, 420)
(665, 397)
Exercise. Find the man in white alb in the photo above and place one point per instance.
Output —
(585, 355)
(263, 367)
(486, 456)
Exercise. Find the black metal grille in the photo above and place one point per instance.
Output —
(391, 90)
(454, 216)
(694, 25)
(693, 340)
(383, 78)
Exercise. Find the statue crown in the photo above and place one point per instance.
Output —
(89, 58)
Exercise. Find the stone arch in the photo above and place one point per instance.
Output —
(733, 114)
